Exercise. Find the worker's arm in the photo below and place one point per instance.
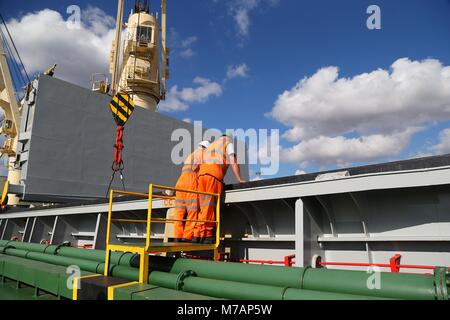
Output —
(236, 168)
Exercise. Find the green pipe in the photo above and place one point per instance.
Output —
(125, 259)
(232, 290)
(190, 284)
(250, 273)
(85, 265)
(299, 294)
(395, 286)
(14, 252)
(94, 255)
(117, 258)
(164, 279)
(121, 258)
(4, 243)
(128, 273)
(391, 285)
(24, 246)
(240, 291)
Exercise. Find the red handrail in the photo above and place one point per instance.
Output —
(394, 264)
(262, 261)
(287, 262)
(381, 265)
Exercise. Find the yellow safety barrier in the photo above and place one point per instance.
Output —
(160, 247)
(75, 284)
(119, 286)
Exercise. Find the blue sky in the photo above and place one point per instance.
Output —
(287, 41)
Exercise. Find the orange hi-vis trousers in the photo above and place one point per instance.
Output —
(209, 184)
(186, 206)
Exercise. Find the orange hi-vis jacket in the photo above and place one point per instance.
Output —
(189, 171)
(215, 160)
(186, 203)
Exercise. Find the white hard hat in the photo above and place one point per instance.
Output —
(204, 144)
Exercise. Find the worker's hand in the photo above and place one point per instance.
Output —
(242, 181)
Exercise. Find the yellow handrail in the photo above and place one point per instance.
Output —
(144, 251)
(186, 190)
(128, 193)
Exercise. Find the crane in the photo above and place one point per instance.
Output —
(141, 78)
(144, 70)
(11, 124)
(142, 75)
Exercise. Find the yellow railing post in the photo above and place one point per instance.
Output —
(143, 267)
(216, 249)
(149, 216)
(145, 251)
(108, 234)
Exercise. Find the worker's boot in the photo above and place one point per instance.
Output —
(211, 240)
(196, 240)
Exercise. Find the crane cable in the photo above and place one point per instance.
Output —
(118, 165)
(17, 76)
(15, 48)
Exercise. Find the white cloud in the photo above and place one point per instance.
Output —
(341, 151)
(241, 10)
(43, 39)
(189, 41)
(187, 53)
(186, 47)
(243, 21)
(179, 99)
(443, 146)
(238, 71)
(383, 109)
(412, 93)
(182, 47)
(96, 20)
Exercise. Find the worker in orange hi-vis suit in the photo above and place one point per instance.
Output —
(186, 204)
(216, 161)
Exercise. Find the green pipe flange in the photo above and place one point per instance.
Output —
(7, 247)
(283, 293)
(302, 276)
(181, 277)
(440, 279)
(59, 246)
(125, 254)
(121, 256)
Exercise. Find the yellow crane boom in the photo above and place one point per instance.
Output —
(116, 47)
(164, 72)
(11, 123)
